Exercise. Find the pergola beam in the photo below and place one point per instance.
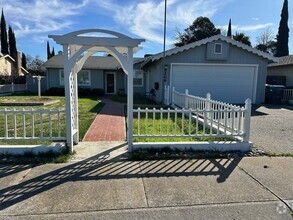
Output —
(92, 41)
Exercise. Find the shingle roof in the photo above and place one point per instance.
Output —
(93, 62)
(283, 61)
(208, 40)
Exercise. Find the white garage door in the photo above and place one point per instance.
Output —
(233, 84)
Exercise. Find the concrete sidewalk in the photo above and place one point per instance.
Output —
(107, 186)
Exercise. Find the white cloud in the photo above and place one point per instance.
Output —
(40, 16)
(247, 27)
(256, 19)
(146, 18)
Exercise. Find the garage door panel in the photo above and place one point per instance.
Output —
(226, 83)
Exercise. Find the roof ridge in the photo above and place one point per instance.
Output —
(208, 40)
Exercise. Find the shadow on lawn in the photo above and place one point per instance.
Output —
(100, 167)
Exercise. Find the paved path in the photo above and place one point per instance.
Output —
(109, 124)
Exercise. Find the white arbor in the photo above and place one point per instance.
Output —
(77, 47)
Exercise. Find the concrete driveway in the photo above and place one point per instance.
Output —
(272, 128)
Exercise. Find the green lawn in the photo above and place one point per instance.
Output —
(136, 100)
(178, 128)
(88, 108)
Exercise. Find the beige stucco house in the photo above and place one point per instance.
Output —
(9, 67)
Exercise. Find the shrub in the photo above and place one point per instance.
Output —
(98, 92)
(55, 91)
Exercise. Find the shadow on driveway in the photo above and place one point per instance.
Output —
(100, 167)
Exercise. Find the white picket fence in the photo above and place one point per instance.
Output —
(32, 124)
(11, 88)
(197, 117)
(288, 95)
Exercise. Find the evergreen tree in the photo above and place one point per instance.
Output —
(229, 33)
(53, 52)
(23, 61)
(283, 33)
(12, 44)
(201, 28)
(48, 51)
(4, 43)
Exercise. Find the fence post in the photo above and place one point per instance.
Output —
(26, 86)
(247, 120)
(208, 105)
(12, 87)
(166, 95)
(186, 99)
(173, 100)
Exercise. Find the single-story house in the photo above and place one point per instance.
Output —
(281, 73)
(99, 72)
(9, 67)
(229, 70)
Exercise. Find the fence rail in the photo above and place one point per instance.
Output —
(174, 123)
(11, 88)
(32, 124)
(288, 94)
(197, 117)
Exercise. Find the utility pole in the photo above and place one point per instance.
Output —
(165, 16)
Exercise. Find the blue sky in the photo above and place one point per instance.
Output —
(34, 20)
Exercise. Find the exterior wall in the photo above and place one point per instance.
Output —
(53, 79)
(199, 55)
(97, 79)
(6, 67)
(156, 76)
(282, 71)
(32, 84)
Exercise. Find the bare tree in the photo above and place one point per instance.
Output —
(266, 37)
(266, 42)
(35, 65)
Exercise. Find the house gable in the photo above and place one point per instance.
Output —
(217, 50)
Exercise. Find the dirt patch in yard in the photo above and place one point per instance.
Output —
(29, 102)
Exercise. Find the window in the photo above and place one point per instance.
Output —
(83, 77)
(218, 48)
(138, 78)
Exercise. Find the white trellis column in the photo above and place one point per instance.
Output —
(130, 98)
(68, 85)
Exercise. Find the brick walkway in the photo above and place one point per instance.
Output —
(109, 124)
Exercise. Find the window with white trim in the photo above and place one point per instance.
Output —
(83, 77)
(218, 48)
(138, 78)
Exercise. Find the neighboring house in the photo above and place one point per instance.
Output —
(229, 70)
(9, 67)
(103, 72)
(281, 73)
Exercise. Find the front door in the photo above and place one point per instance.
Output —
(110, 83)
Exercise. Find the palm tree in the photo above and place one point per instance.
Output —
(242, 38)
